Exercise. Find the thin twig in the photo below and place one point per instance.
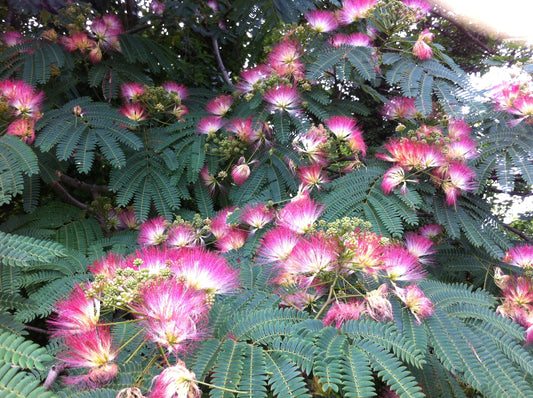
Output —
(225, 74)
(54, 371)
(34, 329)
(517, 232)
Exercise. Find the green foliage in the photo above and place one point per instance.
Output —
(22, 353)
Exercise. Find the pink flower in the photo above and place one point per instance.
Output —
(22, 128)
(107, 266)
(520, 256)
(299, 215)
(134, 111)
(401, 265)
(312, 175)
(174, 316)
(176, 382)
(378, 306)
(257, 216)
(394, 177)
(177, 91)
(78, 41)
(339, 312)
(409, 154)
(312, 255)
(210, 125)
(301, 299)
(459, 178)
(402, 108)
(354, 39)
(352, 10)
(240, 172)
(284, 59)
(22, 98)
(364, 251)
(234, 239)
(284, 98)
(421, 49)
(519, 292)
(252, 77)
(132, 91)
(209, 180)
(421, 7)
(219, 226)
(420, 247)
(205, 271)
(75, 314)
(321, 20)
(12, 38)
(277, 244)
(430, 231)
(152, 232)
(243, 129)
(417, 302)
(92, 350)
(157, 7)
(342, 126)
(152, 258)
(106, 31)
(219, 105)
(313, 144)
(458, 129)
(182, 235)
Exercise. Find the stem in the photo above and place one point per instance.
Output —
(220, 388)
(134, 352)
(67, 197)
(225, 74)
(130, 340)
(328, 300)
(75, 183)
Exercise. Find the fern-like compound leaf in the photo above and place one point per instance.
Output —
(285, 378)
(18, 351)
(358, 381)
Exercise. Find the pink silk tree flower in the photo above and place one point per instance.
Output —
(209, 125)
(299, 215)
(313, 144)
(24, 100)
(394, 177)
(458, 128)
(461, 150)
(12, 38)
(234, 239)
(421, 49)
(353, 39)
(154, 259)
(134, 111)
(22, 128)
(378, 306)
(321, 20)
(401, 265)
(284, 98)
(132, 91)
(352, 10)
(421, 7)
(430, 231)
(342, 126)
(152, 232)
(277, 244)
(206, 271)
(420, 246)
(364, 251)
(176, 382)
(182, 235)
(257, 216)
(91, 350)
(284, 59)
(402, 108)
(78, 41)
(178, 91)
(220, 105)
(251, 77)
(75, 314)
(340, 312)
(312, 175)
(416, 301)
(459, 178)
(520, 256)
(173, 315)
(312, 255)
(240, 172)
(107, 265)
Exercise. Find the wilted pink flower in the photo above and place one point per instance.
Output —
(134, 111)
(209, 180)
(257, 216)
(354, 39)
(277, 244)
(177, 91)
(420, 246)
(210, 124)
(459, 178)
(78, 41)
(182, 235)
(75, 314)
(352, 10)
(93, 351)
(132, 91)
(401, 265)
(340, 312)
(219, 105)
(417, 302)
(152, 232)
(22, 128)
(240, 172)
(378, 306)
(421, 48)
(301, 299)
(312, 255)
(176, 382)
(312, 175)
(127, 218)
(401, 108)
(202, 270)
(284, 59)
(321, 20)
(172, 314)
(251, 77)
(284, 98)
(520, 256)
(234, 239)
(299, 215)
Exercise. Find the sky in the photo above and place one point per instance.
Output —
(510, 17)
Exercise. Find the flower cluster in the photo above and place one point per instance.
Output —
(102, 35)
(429, 151)
(141, 102)
(20, 105)
(168, 290)
(517, 290)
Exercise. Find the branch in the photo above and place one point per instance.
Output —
(219, 61)
(54, 371)
(63, 194)
(517, 232)
(75, 183)
(138, 28)
(512, 193)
